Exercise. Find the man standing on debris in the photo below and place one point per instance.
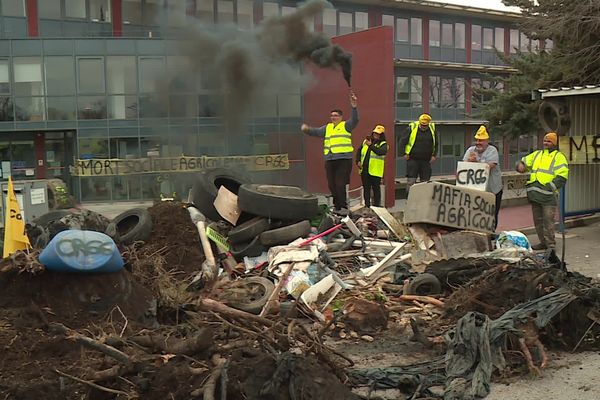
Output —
(549, 171)
(370, 159)
(338, 151)
(484, 153)
(420, 143)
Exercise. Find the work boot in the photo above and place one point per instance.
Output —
(539, 246)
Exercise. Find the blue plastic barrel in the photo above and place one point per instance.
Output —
(82, 251)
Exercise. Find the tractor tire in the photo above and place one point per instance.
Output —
(248, 230)
(287, 203)
(285, 234)
(130, 226)
(206, 187)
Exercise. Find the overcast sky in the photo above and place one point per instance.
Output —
(491, 4)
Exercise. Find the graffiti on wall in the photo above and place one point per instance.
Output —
(581, 149)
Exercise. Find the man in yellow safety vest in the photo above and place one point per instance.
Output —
(420, 144)
(338, 151)
(370, 159)
(549, 171)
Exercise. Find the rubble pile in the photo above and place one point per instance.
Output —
(269, 308)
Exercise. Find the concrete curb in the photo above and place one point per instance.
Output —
(569, 223)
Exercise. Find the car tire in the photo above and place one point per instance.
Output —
(423, 285)
(130, 226)
(206, 187)
(259, 290)
(288, 203)
(44, 219)
(248, 230)
(285, 234)
(248, 249)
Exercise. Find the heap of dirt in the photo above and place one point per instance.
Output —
(174, 231)
(29, 304)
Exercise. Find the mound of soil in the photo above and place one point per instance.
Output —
(29, 303)
(174, 232)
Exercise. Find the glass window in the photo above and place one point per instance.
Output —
(152, 106)
(416, 91)
(6, 109)
(416, 31)
(75, 9)
(459, 92)
(100, 10)
(91, 75)
(329, 22)
(402, 91)
(402, 30)
(208, 106)
(499, 39)
(514, 40)
(476, 37)
(13, 8)
(270, 9)
(345, 23)
(488, 38)
(60, 75)
(132, 11)
(122, 107)
(245, 14)
(289, 105)
(121, 74)
(28, 76)
(152, 69)
(176, 12)
(524, 42)
(205, 11)
(91, 107)
(434, 33)
(49, 9)
(459, 36)
(361, 21)
(287, 10)
(447, 96)
(447, 36)
(183, 106)
(61, 108)
(29, 108)
(4, 77)
(265, 106)
(225, 11)
(151, 11)
(434, 91)
(387, 20)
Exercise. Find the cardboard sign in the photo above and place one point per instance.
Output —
(472, 175)
(448, 205)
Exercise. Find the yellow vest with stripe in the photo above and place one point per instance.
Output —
(414, 127)
(337, 139)
(545, 165)
(376, 162)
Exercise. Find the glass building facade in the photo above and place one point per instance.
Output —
(103, 79)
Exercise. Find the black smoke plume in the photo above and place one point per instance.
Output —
(244, 65)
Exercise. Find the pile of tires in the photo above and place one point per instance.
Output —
(271, 214)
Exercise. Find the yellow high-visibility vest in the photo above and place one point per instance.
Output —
(337, 139)
(414, 127)
(545, 165)
(376, 162)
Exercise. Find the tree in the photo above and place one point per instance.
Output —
(574, 28)
(512, 112)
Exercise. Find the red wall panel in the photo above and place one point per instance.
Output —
(373, 82)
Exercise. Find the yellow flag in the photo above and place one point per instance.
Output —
(15, 237)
